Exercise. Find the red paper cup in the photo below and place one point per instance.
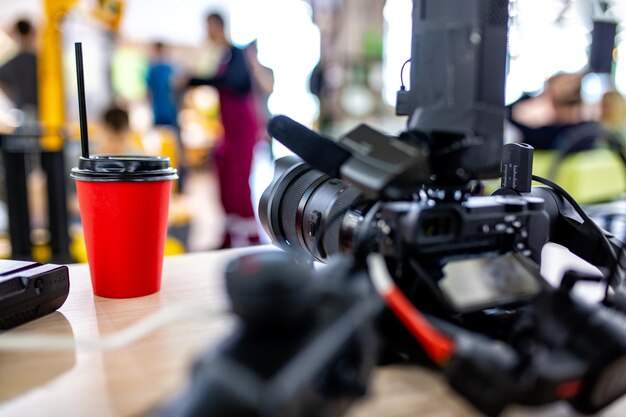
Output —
(124, 203)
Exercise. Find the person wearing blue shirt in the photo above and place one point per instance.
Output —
(160, 83)
(160, 88)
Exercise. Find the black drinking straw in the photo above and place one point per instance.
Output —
(82, 108)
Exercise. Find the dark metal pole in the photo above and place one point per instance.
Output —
(17, 202)
(53, 163)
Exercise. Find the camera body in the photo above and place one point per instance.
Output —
(414, 199)
(315, 215)
(518, 345)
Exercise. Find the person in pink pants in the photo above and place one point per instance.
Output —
(233, 156)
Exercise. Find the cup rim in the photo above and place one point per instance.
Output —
(124, 168)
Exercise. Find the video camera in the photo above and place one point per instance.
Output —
(402, 223)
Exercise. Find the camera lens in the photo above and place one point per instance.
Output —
(308, 211)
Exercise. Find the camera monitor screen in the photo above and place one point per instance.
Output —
(478, 283)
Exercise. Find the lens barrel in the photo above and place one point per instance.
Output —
(307, 211)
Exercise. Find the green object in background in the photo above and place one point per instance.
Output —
(129, 67)
(373, 45)
(591, 176)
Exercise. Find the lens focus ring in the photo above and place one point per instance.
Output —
(344, 200)
(302, 206)
(289, 205)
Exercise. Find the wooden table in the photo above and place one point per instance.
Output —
(134, 379)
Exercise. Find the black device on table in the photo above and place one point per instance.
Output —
(29, 290)
(413, 199)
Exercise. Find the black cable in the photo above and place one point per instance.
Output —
(402, 87)
(586, 218)
(615, 144)
(564, 194)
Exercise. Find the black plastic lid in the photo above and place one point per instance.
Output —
(103, 168)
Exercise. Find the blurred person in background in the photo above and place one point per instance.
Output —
(18, 81)
(318, 85)
(116, 137)
(18, 76)
(160, 83)
(262, 79)
(613, 113)
(233, 155)
(554, 119)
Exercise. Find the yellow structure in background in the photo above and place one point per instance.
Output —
(592, 176)
(50, 74)
(50, 65)
(109, 12)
